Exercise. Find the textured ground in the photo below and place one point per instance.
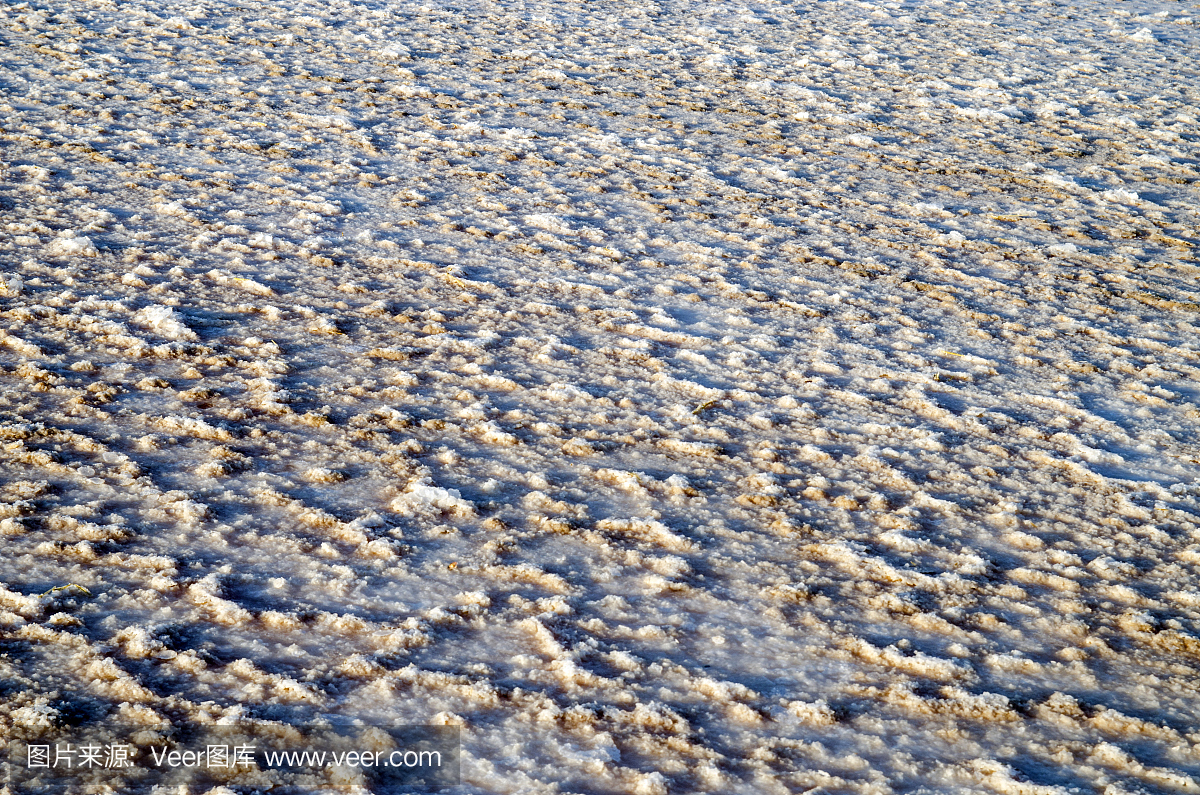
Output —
(680, 397)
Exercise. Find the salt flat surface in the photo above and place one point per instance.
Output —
(679, 396)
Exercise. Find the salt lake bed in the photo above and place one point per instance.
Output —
(677, 397)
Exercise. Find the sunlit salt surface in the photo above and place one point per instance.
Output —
(679, 397)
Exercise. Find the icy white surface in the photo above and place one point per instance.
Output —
(680, 397)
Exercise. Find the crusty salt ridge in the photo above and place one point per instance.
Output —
(681, 397)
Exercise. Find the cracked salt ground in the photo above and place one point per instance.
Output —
(679, 397)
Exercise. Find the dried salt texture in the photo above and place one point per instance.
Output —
(679, 397)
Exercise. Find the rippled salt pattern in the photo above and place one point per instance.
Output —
(679, 397)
